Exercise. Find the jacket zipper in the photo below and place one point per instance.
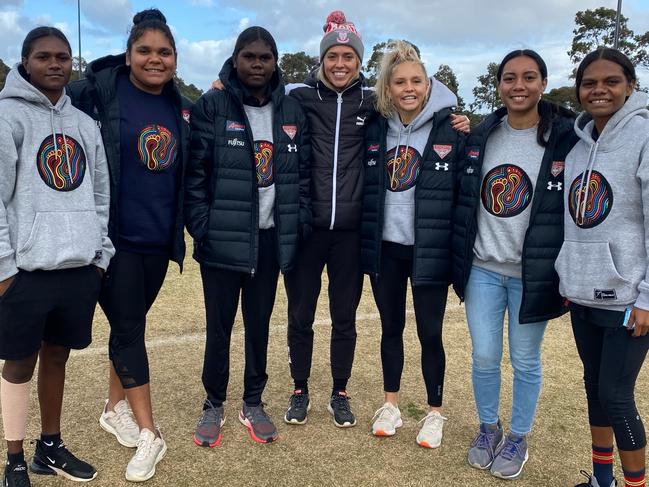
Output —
(339, 103)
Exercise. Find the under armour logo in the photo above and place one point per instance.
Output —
(441, 167)
(360, 120)
(292, 147)
(469, 170)
(371, 162)
(556, 186)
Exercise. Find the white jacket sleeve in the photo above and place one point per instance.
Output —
(8, 163)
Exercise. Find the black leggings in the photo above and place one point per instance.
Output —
(612, 360)
(131, 286)
(429, 302)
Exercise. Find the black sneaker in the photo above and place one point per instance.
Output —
(298, 406)
(16, 475)
(592, 481)
(60, 461)
(340, 410)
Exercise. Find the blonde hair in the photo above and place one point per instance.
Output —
(397, 52)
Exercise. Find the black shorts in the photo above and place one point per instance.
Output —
(56, 307)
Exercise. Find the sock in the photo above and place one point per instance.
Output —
(340, 385)
(50, 442)
(14, 458)
(634, 479)
(302, 385)
(603, 464)
(15, 408)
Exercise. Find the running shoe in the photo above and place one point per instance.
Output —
(386, 420)
(121, 423)
(208, 429)
(58, 460)
(260, 426)
(483, 449)
(341, 411)
(151, 448)
(592, 481)
(430, 434)
(16, 475)
(298, 406)
(510, 457)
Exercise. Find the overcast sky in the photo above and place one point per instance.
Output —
(465, 34)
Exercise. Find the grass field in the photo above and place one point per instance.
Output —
(318, 453)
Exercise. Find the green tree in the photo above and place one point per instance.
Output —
(188, 91)
(296, 66)
(596, 28)
(4, 71)
(485, 94)
(446, 75)
(564, 96)
(75, 68)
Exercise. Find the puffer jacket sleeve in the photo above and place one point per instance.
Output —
(306, 216)
(199, 167)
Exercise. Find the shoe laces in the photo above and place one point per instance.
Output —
(483, 441)
(385, 413)
(433, 420)
(210, 415)
(257, 414)
(298, 400)
(511, 449)
(341, 402)
(144, 446)
(125, 418)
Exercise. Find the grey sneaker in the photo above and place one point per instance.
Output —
(260, 426)
(484, 446)
(510, 457)
(208, 429)
(298, 406)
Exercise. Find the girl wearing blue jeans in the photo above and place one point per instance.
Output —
(507, 234)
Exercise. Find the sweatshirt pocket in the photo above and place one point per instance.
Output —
(61, 239)
(588, 274)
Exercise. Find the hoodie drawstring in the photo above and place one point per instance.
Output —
(585, 180)
(65, 142)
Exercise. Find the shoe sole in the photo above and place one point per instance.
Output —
(109, 429)
(295, 421)
(207, 444)
(513, 476)
(244, 421)
(151, 472)
(387, 433)
(425, 444)
(345, 424)
(41, 469)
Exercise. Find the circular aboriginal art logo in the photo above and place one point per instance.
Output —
(157, 147)
(61, 162)
(264, 163)
(506, 191)
(403, 168)
(597, 196)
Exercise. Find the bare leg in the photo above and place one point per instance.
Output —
(51, 382)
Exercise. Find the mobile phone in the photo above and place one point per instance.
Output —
(627, 313)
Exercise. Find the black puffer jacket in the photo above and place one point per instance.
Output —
(434, 201)
(96, 96)
(221, 193)
(337, 124)
(541, 300)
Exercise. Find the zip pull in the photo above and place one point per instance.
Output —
(252, 272)
(340, 99)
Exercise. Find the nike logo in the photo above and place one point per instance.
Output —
(51, 461)
(51, 443)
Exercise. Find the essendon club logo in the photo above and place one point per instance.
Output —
(290, 130)
(442, 150)
(557, 168)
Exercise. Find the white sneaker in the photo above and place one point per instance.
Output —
(430, 434)
(150, 450)
(388, 419)
(121, 423)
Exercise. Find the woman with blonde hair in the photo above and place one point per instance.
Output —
(410, 163)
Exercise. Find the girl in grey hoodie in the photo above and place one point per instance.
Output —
(603, 265)
(54, 247)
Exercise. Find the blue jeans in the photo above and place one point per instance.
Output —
(487, 296)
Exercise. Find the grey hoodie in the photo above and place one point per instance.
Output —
(399, 215)
(54, 190)
(603, 261)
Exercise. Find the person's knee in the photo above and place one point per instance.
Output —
(486, 359)
(529, 366)
(19, 371)
(54, 355)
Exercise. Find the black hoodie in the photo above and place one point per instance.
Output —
(221, 193)
(96, 96)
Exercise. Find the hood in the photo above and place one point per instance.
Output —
(105, 63)
(635, 106)
(228, 77)
(440, 97)
(17, 87)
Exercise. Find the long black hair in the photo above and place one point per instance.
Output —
(547, 111)
(608, 54)
(38, 33)
(150, 19)
(252, 34)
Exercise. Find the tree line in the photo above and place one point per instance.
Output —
(593, 29)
